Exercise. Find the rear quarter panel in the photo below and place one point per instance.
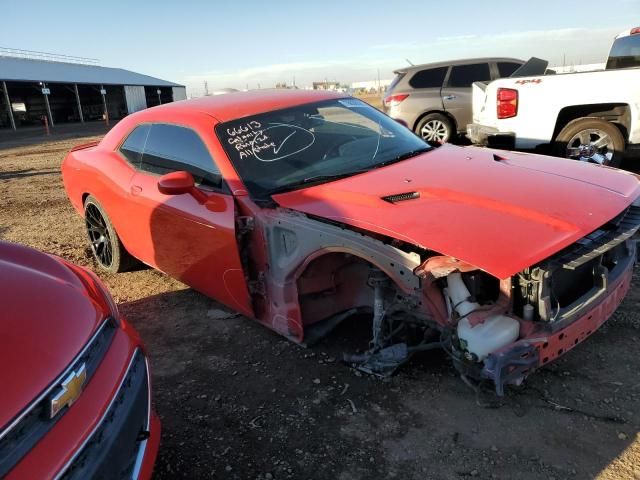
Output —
(105, 175)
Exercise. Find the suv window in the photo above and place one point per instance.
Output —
(133, 146)
(465, 75)
(505, 69)
(170, 148)
(431, 78)
(395, 81)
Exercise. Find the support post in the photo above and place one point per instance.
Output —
(8, 102)
(104, 103)
(46, 102)
(75, 87)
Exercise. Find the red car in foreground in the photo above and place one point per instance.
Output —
(301, 208)
(75, 400)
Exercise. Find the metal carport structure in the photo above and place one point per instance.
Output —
(61, 92)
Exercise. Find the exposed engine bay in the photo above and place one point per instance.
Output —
(499, 330)
(486, 315)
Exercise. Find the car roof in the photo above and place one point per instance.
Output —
(231, 106)
(462, 61)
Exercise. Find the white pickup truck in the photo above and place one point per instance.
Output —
(589, 116)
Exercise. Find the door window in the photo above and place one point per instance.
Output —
(505, 69)
(431, 78)
(171, 148)
(462, 76)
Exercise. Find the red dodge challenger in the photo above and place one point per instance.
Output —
(301, 208)
(75, 400)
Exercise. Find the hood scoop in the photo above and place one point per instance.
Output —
(401, 197)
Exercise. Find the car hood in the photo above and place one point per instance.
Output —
(499, 211)
(47, 318)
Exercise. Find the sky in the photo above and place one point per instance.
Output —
(252, 43)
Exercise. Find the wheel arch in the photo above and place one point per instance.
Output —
(311, 259)
(454, 124)
(110, 218)
(333, 280)
(618, 114)
(83, 199)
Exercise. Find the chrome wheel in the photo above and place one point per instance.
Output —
(99, 235)
(591, 145)
(435, 131)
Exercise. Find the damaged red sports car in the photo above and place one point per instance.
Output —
(301, 208)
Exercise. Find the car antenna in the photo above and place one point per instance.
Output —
(409, 62)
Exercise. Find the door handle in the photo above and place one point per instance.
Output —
(135, 190)
(449, 97)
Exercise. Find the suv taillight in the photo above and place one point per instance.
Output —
(507, 104)
(394, 100)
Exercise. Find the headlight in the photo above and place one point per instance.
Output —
(106, 297)
(96, 289)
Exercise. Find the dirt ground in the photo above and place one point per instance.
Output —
(239, 402)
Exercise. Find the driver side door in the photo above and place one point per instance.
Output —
(191, 241)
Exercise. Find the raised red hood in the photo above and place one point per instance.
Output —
(498, 215)
(46, 318)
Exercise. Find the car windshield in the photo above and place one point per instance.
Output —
(625, 53)
(314, 143)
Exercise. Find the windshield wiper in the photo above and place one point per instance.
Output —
(310, 181)
(317, 179)
(403, 156)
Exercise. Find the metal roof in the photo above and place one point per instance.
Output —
(28, 70)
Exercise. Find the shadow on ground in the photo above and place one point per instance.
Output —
(26, 173)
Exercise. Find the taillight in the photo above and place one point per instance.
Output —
(635, 31)
(507, 103)
(394, 100)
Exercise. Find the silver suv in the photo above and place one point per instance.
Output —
(434, 100)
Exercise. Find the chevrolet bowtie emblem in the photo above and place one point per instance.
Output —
(69, 390)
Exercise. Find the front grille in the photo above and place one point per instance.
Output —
(621, 228)
(24, 431)
(114, 448)
(570, 281)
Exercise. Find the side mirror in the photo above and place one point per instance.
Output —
(176, 183)
(179, 183)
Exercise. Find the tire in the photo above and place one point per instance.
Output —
(435, 128)
(591, 140)
(108, 251)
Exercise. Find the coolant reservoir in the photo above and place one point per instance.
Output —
(495, 333)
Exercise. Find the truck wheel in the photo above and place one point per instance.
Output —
(105, 244)
(591, 140)
(435, 128)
